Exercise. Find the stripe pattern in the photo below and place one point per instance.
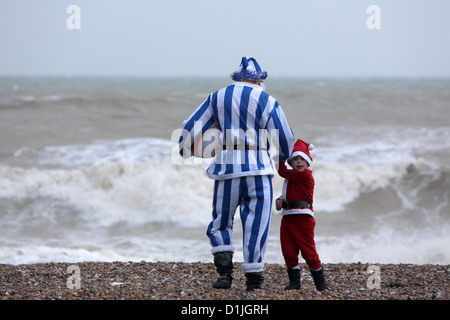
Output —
(247, 116)
(254, 196)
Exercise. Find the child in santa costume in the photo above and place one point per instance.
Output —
(297, 224)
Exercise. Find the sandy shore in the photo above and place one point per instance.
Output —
(192, 281)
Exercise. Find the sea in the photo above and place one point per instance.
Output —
(89, 170)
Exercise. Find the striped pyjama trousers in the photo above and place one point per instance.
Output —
(253, 195)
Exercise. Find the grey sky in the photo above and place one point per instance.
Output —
(208, 38)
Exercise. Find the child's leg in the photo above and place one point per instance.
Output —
(288, 242)
(305, 240)
(290, 252)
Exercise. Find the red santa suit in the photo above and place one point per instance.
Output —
(297, 224)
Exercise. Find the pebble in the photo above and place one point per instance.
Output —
(192, 281)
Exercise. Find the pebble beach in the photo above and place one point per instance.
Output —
(192, 281)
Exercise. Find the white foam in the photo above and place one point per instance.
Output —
(338, 184)
(99, 152)
(135, 179)
(133, 183)
(108, 250)
(110, 193)
(381, 145)
(387, 245)
(43, 253)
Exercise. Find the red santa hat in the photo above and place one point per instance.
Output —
(302, 148)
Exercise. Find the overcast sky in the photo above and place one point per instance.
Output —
(300, 38)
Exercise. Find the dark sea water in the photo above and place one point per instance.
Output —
(87, 169)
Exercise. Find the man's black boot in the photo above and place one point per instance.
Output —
(255, 280)
(224, 265)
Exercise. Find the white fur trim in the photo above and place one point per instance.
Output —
(253, 267)
(222, 249)
(297, 211)
(302, 154)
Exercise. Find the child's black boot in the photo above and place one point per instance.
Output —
(294, 279)
(319, 279)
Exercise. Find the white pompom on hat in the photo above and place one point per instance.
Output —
(302, 148)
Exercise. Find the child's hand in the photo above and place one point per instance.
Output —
(279, 204)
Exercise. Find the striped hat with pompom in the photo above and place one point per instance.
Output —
(249, 69)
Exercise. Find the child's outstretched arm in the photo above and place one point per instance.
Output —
(294, 175)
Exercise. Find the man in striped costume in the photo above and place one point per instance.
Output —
(250, 123)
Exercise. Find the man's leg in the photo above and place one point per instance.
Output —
(256, 210)
(220, 229)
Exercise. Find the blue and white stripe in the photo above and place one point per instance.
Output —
(244, 115)
(254, 196)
